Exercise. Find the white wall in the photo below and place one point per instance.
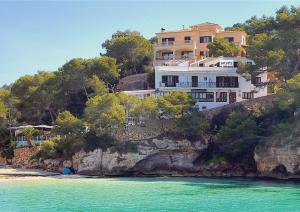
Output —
(185, 75)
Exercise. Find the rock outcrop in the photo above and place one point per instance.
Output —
(280, 156)
(153, 157)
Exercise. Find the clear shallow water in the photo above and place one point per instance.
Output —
(147, 194)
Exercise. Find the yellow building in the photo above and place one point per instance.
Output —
(191, 44)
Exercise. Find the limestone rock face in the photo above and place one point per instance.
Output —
(52, 165)
(154, 156)
(270, 159)
(280, 154)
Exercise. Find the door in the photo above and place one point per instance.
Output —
(232, 97)
(194, 81)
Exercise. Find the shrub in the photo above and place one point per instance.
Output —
(93, 141)
(48, 149)
(174, 104)
(237, 139)
(125, 147)
(192, 126)
(69, 145)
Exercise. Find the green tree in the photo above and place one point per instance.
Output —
(237, 139)
(6, 148)
(129, 102)
(67, 124)
(274, 42)
(104, 113)
(289, 98)
(131, 50)
(3, 114)
(31, 98)
(220, 47)
(174, 104)
(147, 108)
(97, 86)
(105, 68)
(192, 125)
(29, 132)
(49, 148)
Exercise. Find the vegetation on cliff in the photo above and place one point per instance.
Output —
(81, 99)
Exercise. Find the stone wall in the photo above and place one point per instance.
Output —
(262, 103)
(22, 157)
(134, 82)
(150, 129)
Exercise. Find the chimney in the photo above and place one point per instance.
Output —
(162, 29)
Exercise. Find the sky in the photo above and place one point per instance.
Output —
(43, 35)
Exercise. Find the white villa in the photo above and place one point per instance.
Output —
(212, 82)
(183, 62)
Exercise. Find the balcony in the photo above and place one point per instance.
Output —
(174, 43)
(183, 60)
(227, 85)
(202, 85)
(176, 58)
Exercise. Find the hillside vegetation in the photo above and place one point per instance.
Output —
(80, 98)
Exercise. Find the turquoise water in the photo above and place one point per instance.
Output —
(147, 194)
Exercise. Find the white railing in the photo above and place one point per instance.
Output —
(174, 43)
(190, 85)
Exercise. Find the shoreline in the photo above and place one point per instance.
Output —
(10, 173)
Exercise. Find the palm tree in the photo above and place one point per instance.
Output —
(28, 133)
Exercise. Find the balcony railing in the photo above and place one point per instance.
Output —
(174, 43)
(190, 85)
(176, 58)
(227, 85)
(199, 85)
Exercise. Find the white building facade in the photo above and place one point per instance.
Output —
(212, 82)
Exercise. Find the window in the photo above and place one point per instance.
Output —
(205, 39)
(257, 80)
(187, 54)
(170, 80)
(227, 82)
(203, 96)
(205, 78)
(194, 81)
(168, 41)
(248, 95)
(204, 53)
(229, 39)
(167, 55)
(221, 97)
(187, 39)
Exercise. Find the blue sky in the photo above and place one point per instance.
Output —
(44, 35)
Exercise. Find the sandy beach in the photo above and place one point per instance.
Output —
(8, 172)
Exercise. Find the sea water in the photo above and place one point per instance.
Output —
(147, 194)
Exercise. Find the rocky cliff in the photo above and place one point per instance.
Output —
(153, 157)
(279, 156)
